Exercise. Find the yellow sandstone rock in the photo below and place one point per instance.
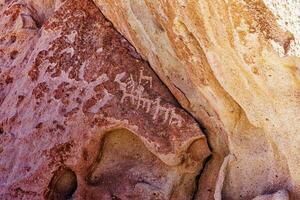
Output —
(218, 60)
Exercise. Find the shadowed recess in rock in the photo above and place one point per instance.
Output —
(63, 184)
(124, 159)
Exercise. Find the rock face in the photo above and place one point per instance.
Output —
(280, 195)
(82, 115)
(218, 60)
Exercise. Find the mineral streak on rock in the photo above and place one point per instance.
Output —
(82, 115)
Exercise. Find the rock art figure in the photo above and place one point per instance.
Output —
(83, 116)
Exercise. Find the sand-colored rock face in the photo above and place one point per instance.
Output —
(218, 60)
(83, 116)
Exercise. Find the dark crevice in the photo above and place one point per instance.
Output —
(204, 130)
(197, 179)
(182, 93)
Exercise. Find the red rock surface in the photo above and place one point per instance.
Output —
(76, 100)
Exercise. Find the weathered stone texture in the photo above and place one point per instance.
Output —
(218, 59)
(83, 115)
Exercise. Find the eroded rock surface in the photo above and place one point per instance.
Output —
(218, 60)
(82, 115)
